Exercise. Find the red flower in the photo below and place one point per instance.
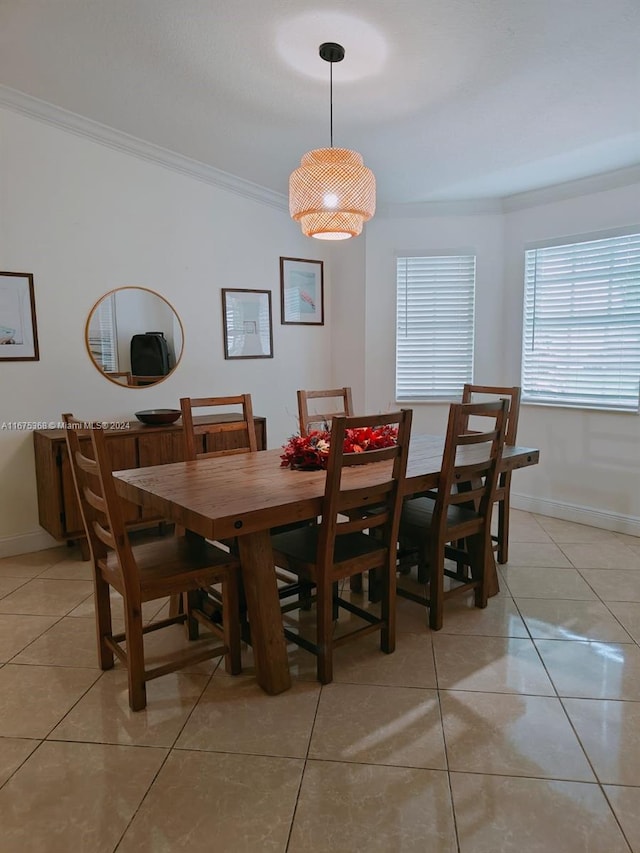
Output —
(312, 451)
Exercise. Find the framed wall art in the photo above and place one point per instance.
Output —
(246, 317)
(302, 291)
(18, 332)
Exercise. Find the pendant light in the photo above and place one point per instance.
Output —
(332, 192)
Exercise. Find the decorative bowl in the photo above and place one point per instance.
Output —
(158, 416)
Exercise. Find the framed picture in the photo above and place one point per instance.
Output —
(18, 333)
(246, 316)
(302, 291)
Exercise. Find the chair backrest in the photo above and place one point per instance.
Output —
(120, 375)
(323, 420)
(474, 393)
(345, 492)
(100, 505)
(244, 427)
(469, 479)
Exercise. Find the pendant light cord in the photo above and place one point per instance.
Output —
(331, 100)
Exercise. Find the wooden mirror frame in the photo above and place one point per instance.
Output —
(131, 381)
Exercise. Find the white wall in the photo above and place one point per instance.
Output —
(590, 461)
(85, 218)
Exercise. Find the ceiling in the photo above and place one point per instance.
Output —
(446, 99)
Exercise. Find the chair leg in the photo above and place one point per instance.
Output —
(436, 587)
(135, 658)
(324, 614)
(503, 531)
(175, 606)
(193, 600)
(355, 583)
(480, 551)
(231, 624)
(102, 604)
(388, 611)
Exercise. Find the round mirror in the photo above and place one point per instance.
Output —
(134, 337)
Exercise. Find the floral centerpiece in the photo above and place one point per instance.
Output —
(311, 452)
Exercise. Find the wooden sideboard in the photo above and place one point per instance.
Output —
(135, 446)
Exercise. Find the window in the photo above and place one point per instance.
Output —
(581, 340)
(434, 326)
(102, 335)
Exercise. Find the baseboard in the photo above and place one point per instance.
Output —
(580, 514)
(23, 543)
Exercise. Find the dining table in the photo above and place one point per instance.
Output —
(244, 495)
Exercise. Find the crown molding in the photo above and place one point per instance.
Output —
(32, 107)
(573, 189)
(422, 209)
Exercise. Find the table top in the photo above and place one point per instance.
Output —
(243, 493)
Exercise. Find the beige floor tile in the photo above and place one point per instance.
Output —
(592, 670)
(362, 662)
(379, 725)
(235, 715)
(563, 532)
(33, 699)
(411, 618)
(524, 528)
(46, 597)
(610, 734)
(571, 620)
(511, 815)
(30, 565)
(500, 618)
(350, 807)
(70, 642)
(628, 614)
(103, 715)
(16, 632)
(86, 610)
(526, 582)
(603, 555)
(71, 570)
(75, 796)
(13, 751)
(8, 585)
(226, 803)
(613, 584)
(492, 664)
(541, 554)
(171, 643)
(625, 802)
(511, 735)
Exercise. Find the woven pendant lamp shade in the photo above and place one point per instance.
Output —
(332, 193)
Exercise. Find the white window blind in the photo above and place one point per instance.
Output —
(102, 335)
(435, 325)
(581, 341)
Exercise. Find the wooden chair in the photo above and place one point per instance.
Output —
(223, 439)
(140, 381)
(145, 572)
(503, 491)
(119, 375)
(233, 436)
(322, 420)
(338, 547)
(458, 512)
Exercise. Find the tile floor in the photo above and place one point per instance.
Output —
(516, 728)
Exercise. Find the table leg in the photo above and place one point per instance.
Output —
(263, 609)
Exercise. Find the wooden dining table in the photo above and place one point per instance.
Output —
(245, 495)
